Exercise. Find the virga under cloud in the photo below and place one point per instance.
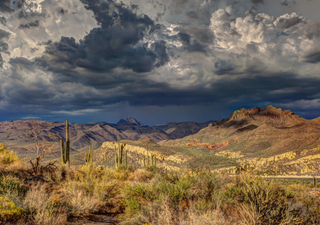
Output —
(94, 60)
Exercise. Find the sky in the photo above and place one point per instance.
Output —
(157, 61)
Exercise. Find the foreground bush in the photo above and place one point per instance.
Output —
(9, 211)
(154, 196)
(7, 157)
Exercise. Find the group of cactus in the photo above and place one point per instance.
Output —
(149, 162)
(65, 149)
(119, 162)
(119, 156)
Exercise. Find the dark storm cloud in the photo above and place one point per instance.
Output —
(1, 61)
(114, 44)
(312, 58)
(195, 39)
(108, 14)
(201, 33)
(61, 10)
(3, 20)
(4, 34)
(5, 6)
(29, 25)
(271, 87)
(312, 29)
(22, 62)
(288, 3)
(185, 38)
(251, 48)
(29, 96)
(48, 42)
(4, 47)
(161, 50)
(291, 22)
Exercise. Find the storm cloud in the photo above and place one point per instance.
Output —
(103, 58)
(114, 44)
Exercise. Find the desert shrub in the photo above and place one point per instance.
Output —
(11, 185)
(231, 194)
(44, 217)
(9, 211)
(268, 201)
(161, 213)
(179, 189)
(7, 157)
(309, 210)
(82, 204)
(140, 176)
(35, 199)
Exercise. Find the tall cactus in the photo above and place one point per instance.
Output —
(65, 152)
(153, 159)
(118, 155)
(89, 155)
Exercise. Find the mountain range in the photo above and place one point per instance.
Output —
(12, 133)
(244, 135)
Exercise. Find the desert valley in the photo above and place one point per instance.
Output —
(212, 173)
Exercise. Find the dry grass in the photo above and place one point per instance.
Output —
(82, 204)
(140, 176)
(154, 196)
(162, 214)
(36, 198)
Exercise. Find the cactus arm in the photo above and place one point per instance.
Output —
(126, 159)
(121, 153)
(151, 159)
(116, 157)
(91, 152)
(67, 150)
(67, 129)
(86, 157)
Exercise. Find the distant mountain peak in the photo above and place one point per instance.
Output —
(268, 111)
(130, 120)
(271, 115)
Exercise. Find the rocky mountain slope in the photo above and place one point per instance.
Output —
(12, 133)
(255, 132)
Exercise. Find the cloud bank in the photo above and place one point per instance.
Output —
(95, 60)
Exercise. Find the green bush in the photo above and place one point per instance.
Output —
(268, 199)
(9, 211)
(7, 157)
(9, 185)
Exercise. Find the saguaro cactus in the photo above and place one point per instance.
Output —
(89, 155)
(118, 155)
(153, 159)
(65, 152)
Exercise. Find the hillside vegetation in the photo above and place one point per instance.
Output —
(52, 193)
(259, 136)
